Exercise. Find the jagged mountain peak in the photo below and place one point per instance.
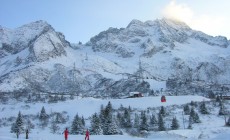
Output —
(135, 22)
(164, 22)
(33, 42)
(172, 23)
(34, 24)
(16, 40)
(152, 36)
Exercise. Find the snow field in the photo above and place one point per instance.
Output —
(87, 106)
(211, 127)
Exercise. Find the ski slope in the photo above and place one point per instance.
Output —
(87, 106)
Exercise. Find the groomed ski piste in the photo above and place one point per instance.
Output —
(212, 126)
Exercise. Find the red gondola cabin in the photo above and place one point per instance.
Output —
(163, 99)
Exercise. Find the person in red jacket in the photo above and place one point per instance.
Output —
(87, 135)
(66, 132)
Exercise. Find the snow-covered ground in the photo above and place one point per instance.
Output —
(212, 126)
(87, 106)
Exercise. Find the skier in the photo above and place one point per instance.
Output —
(66, 132)
(87, 135)
(27, 134)
(17, 133)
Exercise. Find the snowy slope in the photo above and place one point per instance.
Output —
(153, 51)
(210, 128)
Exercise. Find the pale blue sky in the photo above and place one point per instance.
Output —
(80, 20)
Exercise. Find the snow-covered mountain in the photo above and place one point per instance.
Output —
(140, 57)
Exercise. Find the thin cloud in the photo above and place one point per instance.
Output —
(210, 24)
(178, 12)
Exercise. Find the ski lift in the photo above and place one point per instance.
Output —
(163, 99)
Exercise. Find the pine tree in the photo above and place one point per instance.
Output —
(102, 114)
(175, 125)
(218, 99)
(144, 122)
(190, 122)
(108, 109)
(109, 125)
(203, 109)
(162, 111)
(228, 122)
(186, 109)
(43, 117)
(192, 113)
(43, 114)
(71, 97)
(161, 123)
(77, 126)
(54, 125)
(29, 99)
(193, 103)
(96, 128)
(222, 110)
(120, 119)
(83, 121)
(127, 119)
(136, 121)
(18, 127)
(112, 128)
(29, 125)
(196, 118)
(153, 121)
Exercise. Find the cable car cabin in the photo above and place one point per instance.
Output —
(163, 99)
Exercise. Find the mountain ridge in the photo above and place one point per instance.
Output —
(142, 54)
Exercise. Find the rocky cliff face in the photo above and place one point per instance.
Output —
(38, 37)
(113, 63)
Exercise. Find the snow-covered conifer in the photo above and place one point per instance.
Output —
(54, 125)
(196, 118)
(112, 128)
(18, 127)
(96, 128)
(161, 123)
(43, 117)
(127, 119)
(203, 109)
(228, 122)
(162, 111)
(153, 121)
(222, 110)
(83, 121)
(192, 113)
(190, 122)
(136, 121)
(144, 122)
(186, 109)
(175, 125)
(77, 126)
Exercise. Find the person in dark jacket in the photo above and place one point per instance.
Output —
(27, 134)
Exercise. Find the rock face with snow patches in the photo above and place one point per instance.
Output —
(36, 58)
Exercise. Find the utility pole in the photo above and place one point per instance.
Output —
(140, 70)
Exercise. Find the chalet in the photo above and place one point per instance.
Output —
(135, 94)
